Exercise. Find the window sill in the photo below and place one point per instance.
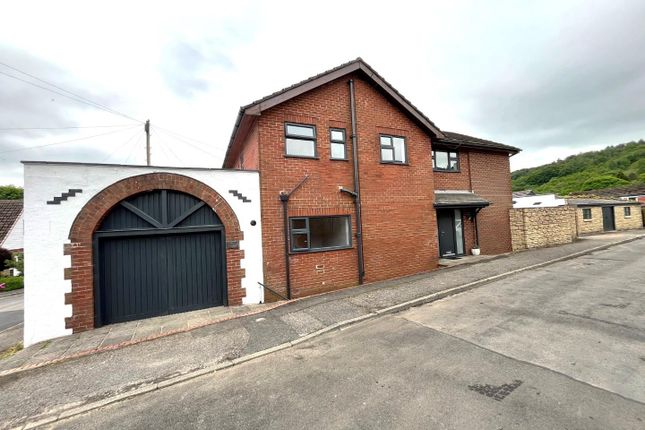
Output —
(628, 217)
(587, 220)
(339, 159)
(314, 251)
(446, 171)
(392, 163)
(301, 156)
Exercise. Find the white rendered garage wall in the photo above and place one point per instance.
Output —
(47, 227)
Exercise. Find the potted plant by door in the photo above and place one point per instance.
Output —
(475, 250)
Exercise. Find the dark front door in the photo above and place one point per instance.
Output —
(158, 253)
(447, 242)
(608, 218)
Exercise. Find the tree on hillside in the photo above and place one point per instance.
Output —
(604, 181)
(613, 166)
(11, 192)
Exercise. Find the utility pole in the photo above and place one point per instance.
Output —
(147, 129)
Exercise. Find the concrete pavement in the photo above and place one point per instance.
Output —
(49, 391)
(558, 347)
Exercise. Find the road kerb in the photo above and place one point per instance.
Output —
(80, 409)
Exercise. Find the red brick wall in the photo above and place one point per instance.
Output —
(89, 218)
(399, 225)
(455, 180)
(488, 175)
(249, 157)
(491, 179)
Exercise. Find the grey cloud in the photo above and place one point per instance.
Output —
(582, 87)
(26, 106)
(183, 64)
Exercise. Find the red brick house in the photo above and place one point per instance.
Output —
(331, 219)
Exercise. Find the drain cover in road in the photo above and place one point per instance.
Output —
(497, 392)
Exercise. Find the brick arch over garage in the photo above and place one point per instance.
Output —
(80, 248)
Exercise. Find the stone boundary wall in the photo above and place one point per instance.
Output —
(542, 227)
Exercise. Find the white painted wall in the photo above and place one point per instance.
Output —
(47, 227)
(13, 240)
(542, 201)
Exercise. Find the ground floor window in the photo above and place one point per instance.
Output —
(586, 213)
(320, 233)
(628, 212)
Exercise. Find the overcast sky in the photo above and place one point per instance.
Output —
(551, 77)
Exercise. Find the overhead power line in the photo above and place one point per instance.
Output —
(133, 149)
(64, 128)
(165, 144)
(68, 141)
(181, 136)
(187, 142)
(122, 146)
(70, 95)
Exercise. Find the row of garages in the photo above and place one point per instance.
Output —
(540, 221)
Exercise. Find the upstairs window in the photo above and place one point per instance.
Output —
(393, 149)
(338, 147)
(445, 161)
(320, 233)
(300, 140)
(586, 213)
(627, 211)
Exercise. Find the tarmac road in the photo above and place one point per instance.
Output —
(558, 347)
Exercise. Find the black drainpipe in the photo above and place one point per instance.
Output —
(357, 186)
(284, 198)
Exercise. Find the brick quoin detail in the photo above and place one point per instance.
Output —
(89, 218)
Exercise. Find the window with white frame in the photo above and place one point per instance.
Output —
(320, 233)
(627, 211)
(338, 147)
(300, 140)
(446, 161)
(586, 213)
(393, 149)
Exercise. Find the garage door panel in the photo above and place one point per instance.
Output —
(194, 266)
(132, 272)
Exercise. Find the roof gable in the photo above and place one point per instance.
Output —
(244, 118)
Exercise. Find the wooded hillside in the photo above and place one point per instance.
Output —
(611, 167)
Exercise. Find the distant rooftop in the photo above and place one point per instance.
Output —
(10, 211)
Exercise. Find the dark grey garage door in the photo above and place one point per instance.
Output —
(158, 253)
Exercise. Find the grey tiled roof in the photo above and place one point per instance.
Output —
(459, 199)
(461, 139)
(10, 210)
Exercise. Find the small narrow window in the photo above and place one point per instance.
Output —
(445, 161)
(300, 140)
(627, 211)
(393, 149)
(338, 147)
(320, 233)
(586, 213)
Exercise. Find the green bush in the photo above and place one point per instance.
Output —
(11, 192)
(12, 283)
